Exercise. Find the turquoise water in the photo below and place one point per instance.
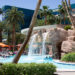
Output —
(38, 59)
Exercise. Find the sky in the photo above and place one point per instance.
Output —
(31, 4)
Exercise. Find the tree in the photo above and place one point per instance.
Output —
(14, 18)
(69, 14)
(29, 33)
(69, 5)
(62, 12)
(1, 29)
(58, 19)
(44, 12)
(51, 19)
(19, 38)
(8, 31)
(1, 26)
(40, 22)
(1, 11)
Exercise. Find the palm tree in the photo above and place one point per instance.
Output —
(58, 19)
(62, 12)
(8, 31)
(1, 29)
(51, 19)
(14, 18)
(69, 14)
(1, 26)
(69, 5)
(29, 33)
(44, 12)
(1, 11)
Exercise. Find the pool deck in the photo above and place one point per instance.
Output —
(64, 73)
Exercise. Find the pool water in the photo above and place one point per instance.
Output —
(38, 59)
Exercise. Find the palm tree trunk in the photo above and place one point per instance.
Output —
(64, 20)
(29, 33)
(0, 35)
(69, 5)
(13, 37)
(9, 37)
(45, 19)
(69, 15)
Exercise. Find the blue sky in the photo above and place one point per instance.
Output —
(31, 4)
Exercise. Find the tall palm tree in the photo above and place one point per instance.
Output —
(69, 5)
(58, 19)
(8, 30)
(1, 11)
(29, 33)
(14, 18)
(62, 12)
(69, 14)
(44, 12)
(1, 26)
(1, 29)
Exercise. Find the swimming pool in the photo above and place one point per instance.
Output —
(39, 59)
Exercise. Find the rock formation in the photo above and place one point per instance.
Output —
(62, 41)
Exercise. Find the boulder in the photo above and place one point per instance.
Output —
(57, 35)
(71, 32)
(68, 46)
(71, 38)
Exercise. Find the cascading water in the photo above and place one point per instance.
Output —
(43, 43)
(31, 48)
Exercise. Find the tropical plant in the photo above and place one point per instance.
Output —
(19, 38)
(70, 57)
(14, 18)
(62, 12)
(1, 26)
(67, 27)
(29, 33)
(58, 19)
(44, 12)
(51, 19)
(40, 22)
(69, 5)
(69, 14)
(1, 29)
(1, 11)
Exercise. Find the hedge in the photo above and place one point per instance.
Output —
(70, 57)
(27, 69)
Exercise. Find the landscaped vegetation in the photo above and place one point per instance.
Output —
(27, 69)
(70, 57)
(67, 27)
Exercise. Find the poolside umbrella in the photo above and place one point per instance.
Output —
(3, 45)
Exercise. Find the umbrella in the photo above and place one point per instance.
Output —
(3, 45)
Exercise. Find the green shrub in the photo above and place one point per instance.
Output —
(67, 27)
(27, 69)
(69, 57)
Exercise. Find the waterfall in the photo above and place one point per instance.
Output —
(31, 48)
(43, 43)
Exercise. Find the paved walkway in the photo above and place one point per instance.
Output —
(65, 73)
